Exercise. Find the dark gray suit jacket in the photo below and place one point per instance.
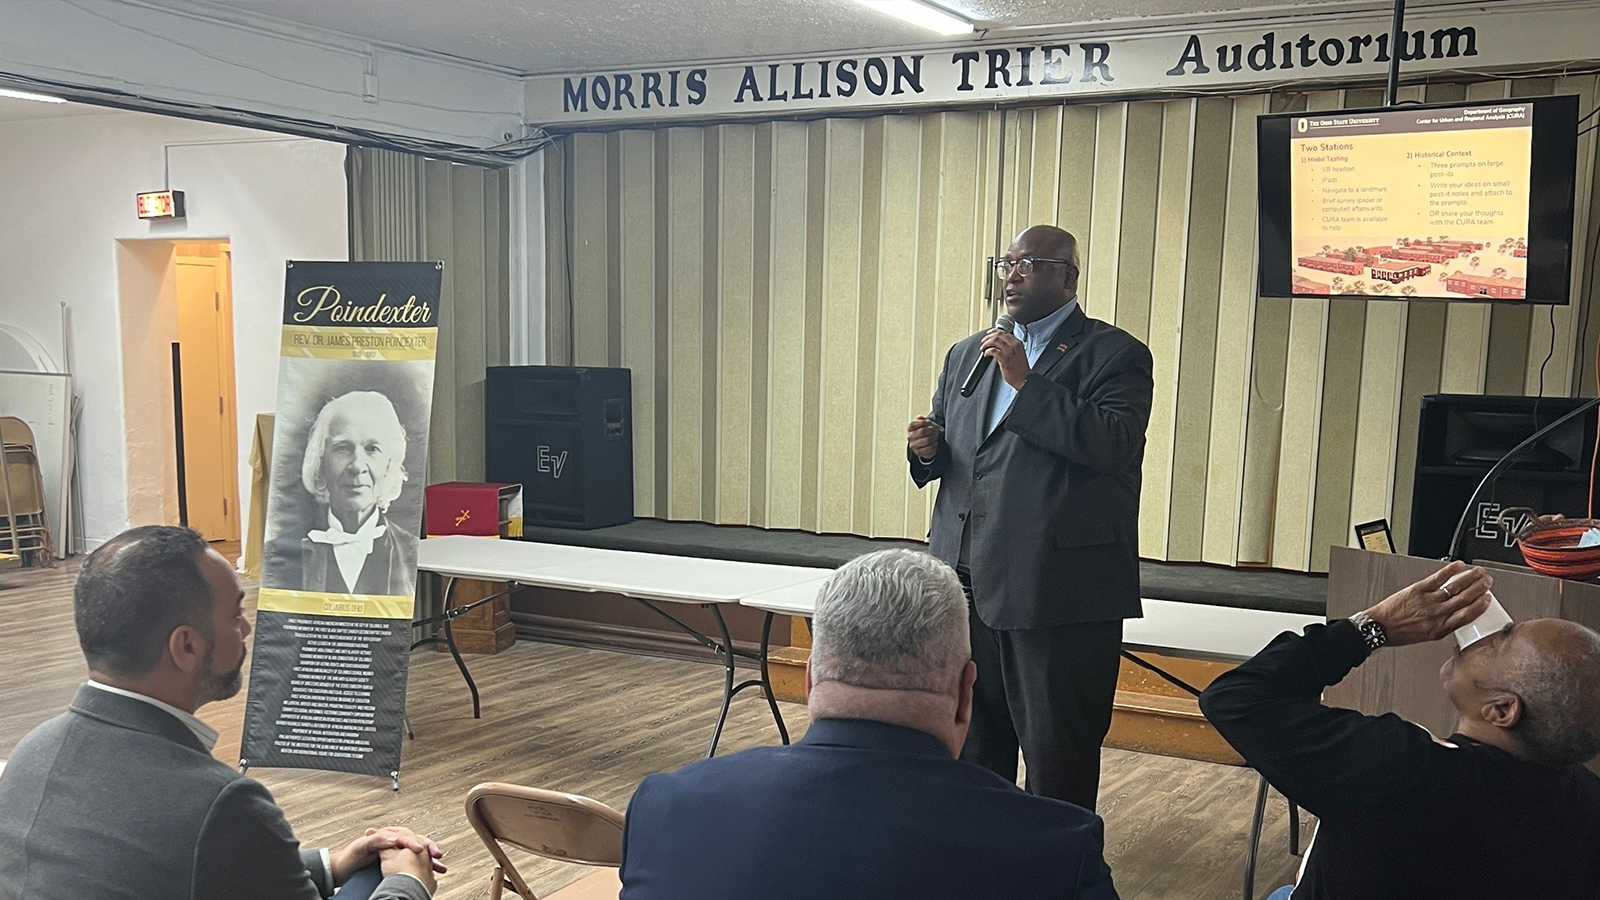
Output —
(118, 799)
(1052, 495)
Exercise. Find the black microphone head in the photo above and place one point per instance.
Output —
(1005, 323)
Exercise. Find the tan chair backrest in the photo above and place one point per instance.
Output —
(15, 431)
(25, 481)
(545, 823)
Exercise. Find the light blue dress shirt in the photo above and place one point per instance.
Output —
(1035, 336)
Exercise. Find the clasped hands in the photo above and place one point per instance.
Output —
(397, 850)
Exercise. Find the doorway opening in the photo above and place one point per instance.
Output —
(180, 401)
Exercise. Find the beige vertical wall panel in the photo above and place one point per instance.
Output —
(737, 225)
(841, 288)
(1097, 288)
(685, 274)
(870, 334)
(1263, 439)
(1343, 374)
(1197, 364)
(927, 352)
(1421, 370)
(1046, 178)
(439, 212)
(636, 264)
(1382, 350)
(965, 231)
(1235, 305)
(898, 386)
(591, 250)
(1297, 450)
(785, 294)
(1166, 319)
(558, 258)
(1075, 184)
(990, 238)
(1264, 434)
(1136, 241)
(1016, 182)
(1294, 496)
(816, 272)
(786, 382)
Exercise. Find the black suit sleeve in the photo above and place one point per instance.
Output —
(924, 472)
(1094, 876)
(1323, 759)
(247, 850)
(1102, 429)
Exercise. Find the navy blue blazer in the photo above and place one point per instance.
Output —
(855, 809)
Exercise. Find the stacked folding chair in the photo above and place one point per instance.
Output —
(23, 529)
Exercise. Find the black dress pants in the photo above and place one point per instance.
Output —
(1047, 691)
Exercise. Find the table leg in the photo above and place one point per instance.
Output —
(725, 650)
(766, 678)
(1255, 841)
(449, 641)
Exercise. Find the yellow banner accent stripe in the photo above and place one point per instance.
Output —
(317, 603)
(331, 342)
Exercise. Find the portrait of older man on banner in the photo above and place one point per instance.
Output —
(344, 477)
(355, 467)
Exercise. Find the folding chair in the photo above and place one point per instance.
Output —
(23, 528)
(545, 823)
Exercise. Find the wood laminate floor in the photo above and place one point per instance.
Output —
(595, 722)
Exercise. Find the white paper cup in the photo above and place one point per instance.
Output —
(1493, 619)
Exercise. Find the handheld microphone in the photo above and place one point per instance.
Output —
(1004, 323)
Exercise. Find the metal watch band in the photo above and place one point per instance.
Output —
(1371, 632)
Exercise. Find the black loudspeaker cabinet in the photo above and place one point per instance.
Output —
(565, 433)
(1461, 436)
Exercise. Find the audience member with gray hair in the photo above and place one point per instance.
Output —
(1503, 808)
(873, 801)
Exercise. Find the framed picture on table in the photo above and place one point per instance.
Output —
(1375, 536)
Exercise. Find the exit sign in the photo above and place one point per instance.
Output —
(159, 204)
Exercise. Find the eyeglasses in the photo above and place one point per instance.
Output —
(1023, 266)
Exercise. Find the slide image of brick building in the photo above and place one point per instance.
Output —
(1484, 286)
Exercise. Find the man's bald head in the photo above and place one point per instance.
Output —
(1539, 681)
(1054, 279)
(1048, 240)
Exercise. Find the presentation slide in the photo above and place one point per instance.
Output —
(1424, 203)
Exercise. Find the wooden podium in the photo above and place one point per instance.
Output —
(1405, 680)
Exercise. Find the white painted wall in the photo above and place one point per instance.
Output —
(73, 181)
(214, 56)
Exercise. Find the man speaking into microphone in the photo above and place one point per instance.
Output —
(1037, 438)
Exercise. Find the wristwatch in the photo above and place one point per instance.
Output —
(1371, 632)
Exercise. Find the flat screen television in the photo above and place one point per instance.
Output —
(1461, 201)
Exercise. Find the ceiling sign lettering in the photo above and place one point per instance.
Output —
(992, 72)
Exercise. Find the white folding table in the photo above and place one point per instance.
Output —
(647, 578)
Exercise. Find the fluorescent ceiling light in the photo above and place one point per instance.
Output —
(924, 15)
(24, 95)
